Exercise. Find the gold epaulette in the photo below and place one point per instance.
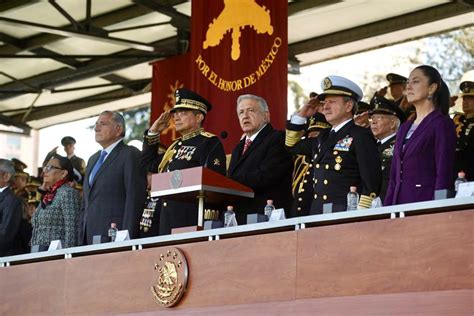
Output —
(207, 134)
(152, 140)
(366, 200)
(292, 137)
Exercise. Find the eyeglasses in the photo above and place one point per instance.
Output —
(48, 168)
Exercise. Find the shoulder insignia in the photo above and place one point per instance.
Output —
(207, 134)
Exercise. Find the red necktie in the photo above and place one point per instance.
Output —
(247, 144)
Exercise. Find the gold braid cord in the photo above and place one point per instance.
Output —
(292, 137)
(167, 156)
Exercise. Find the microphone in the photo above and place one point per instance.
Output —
(222, 135)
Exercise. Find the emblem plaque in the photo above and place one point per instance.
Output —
(172, 278)
(176, 179)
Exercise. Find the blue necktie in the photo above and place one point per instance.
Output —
(97, 166)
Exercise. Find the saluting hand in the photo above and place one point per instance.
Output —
(161, 123)
(311, 107)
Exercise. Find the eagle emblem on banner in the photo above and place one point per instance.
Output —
(236, 15)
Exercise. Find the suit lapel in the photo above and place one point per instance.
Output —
(259, 139)
(427, 121)
(108, 161)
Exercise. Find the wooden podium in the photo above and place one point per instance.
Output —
(197, 183)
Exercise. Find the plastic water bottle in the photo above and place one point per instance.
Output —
(460, 179)
(269, 208)
(352, 199)
(113, 231)
(228, 215)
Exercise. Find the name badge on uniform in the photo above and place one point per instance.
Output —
(344, 144)
(185, 153)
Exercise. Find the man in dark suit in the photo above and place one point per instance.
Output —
(260, 160)
(10, 212)
(115, 184)
(343, 156)
(194, 148)
(385, 119)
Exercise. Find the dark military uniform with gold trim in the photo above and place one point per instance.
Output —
(340, 159)
(465, 144)
(347, 158)
(302, 185)
(465, 133)
(386, 155)
(191, 150)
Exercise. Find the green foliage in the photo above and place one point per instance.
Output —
(136, 122)
(299, 98)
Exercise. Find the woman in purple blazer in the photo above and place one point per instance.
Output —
(423, 158)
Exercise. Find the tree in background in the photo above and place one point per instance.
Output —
(136, 122)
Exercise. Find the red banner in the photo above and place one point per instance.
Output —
(239, 47)
(168, 75)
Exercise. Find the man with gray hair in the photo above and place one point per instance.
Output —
(114, 184)
(385, 119)
(10, 212)
(260, 160)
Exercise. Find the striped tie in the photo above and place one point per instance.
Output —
(247, 144)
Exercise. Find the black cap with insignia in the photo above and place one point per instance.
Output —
(67, 140)
(467, 88)
(396, 78)
(18, 164)
(317, 122)
(363, 107)
(384, 106)
(190, 100)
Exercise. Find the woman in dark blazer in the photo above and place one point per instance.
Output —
(423, 158)
(57, 216)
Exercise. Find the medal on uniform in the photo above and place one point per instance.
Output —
(337, 167)
(338, 159)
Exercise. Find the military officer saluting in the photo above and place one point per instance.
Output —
(344, 156)
(465, 131)
(385, 119)
(302, 184)
(194, 148)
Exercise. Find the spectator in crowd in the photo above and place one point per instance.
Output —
(385, 121)
(20, 179)
(423, 158)
(343, 156)
(361, 117)
(465, 132)
(194, 148)
(10, 211)
(260, 160)
(19, 165)
(57, 215)
(78, 164)
(115, 184)
(302, 185)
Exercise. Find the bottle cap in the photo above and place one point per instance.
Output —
(353, 189)
(230, 208)
(113, 225)
(461, 174)
(270, 202)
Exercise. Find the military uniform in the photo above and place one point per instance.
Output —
(78, 164)
(198, 148)
(465, 135)
(384, 106)
(302, 184)
(340, 159)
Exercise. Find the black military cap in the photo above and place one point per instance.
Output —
(187, 99)
(18, 164)
(22, 174)
(395, 78)
(467, 88)
(67, 140)
(384, 106)
(33, 183)
(317, 122)
(363, 107)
